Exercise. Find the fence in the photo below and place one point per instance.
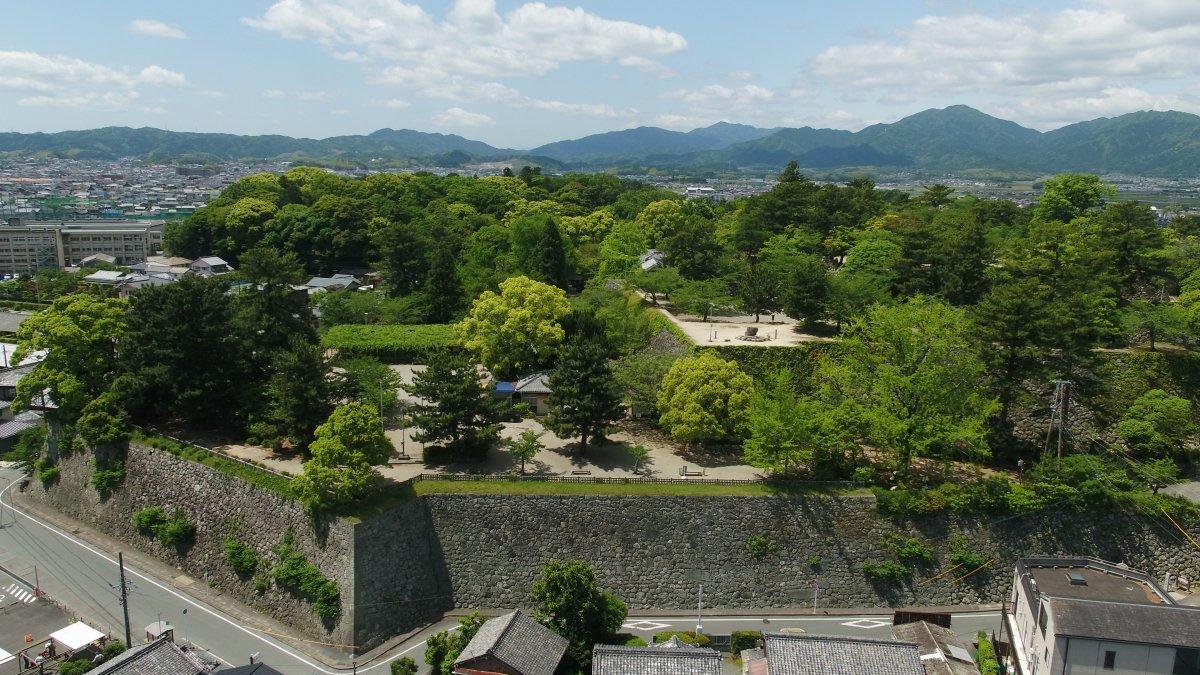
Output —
(629, 480)
(225, 456)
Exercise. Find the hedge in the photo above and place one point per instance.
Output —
(23, 306)
(985, 656)
(687, 638)
(744, 639)
(392, 343)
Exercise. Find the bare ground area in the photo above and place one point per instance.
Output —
(778, 330)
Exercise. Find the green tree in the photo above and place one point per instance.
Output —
(372, 382)
(621, 250)
(660, 219)
(567, 598)
(1153, 319)
(442, 648)
(759, 288)
(584, 398)
(659, 280)
(693, 248)
(851, 294)
(405, 665)
(806, 294)
(298, 393)
(1068, 195)
(936, 195)
(784, 431)
(705, 398)
(546, 260)
(402, 250)
(701, 297)
(82, 334)
(1014, 322)
(910, 382)
(1157, 473)
(345, 450)
(524, 447)
(1131, 239)
(639, 377)
(456, 410)
(518, 330)
(1157, 424)
(442, 288)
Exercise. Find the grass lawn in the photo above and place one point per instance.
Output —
(680, 489)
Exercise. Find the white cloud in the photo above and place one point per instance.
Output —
(92, 100)
(680, 122)
(716, 97)
(459, 55)
(311, 96)
(161, 77)
(593, 109)
(396, 104)
(457, 118)
(152, 28)
(1097, 57)
(274, 93)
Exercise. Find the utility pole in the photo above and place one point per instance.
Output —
(699, 604)
(1059, 411)
(816, 594)
(125, 600)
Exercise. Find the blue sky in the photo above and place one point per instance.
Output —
(518, 74)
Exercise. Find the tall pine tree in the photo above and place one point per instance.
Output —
(459, 411)
(584, 397)
(443, 290)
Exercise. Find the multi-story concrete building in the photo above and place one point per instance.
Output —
(1077, 616)
(30, 245)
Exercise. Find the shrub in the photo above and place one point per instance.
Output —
(962, 555)
(912, 551)
(297, 575)
(744, 639)
(46, 471)
(886, 572)
(113, 648)
(694, 639)
(403, 666)
(177, 531)
(241, 557)
(75, 667)
(985, 656)
(107, 477)
(627, 640)
(757, 545)
(391, 344)
(814, 561)
(148, 520)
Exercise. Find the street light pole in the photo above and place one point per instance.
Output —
(699, 604)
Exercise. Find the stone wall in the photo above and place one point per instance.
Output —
(654, 552)
(219, 505)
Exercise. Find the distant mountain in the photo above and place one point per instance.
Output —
(957, 138)
(116, 142)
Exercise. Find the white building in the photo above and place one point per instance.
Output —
(1083, 616)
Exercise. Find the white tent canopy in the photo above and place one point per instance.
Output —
(76, 636)
(5, 657)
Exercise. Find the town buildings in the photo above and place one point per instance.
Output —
(29, 245)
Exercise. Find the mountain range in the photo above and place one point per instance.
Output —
(957, 138)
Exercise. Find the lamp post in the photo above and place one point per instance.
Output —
(699, 604)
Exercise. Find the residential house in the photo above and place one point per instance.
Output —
(98, 258)
(259, 668)
(12, 429)
(513, 644)
(651, 259)
(1069, 616)
(210, 266)
(942, 652)
(160, 657)
(337, 282)
(786, 654)
(534, 391)
(665, 658)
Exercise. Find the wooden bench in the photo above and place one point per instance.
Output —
(581, 472)
(683, 471)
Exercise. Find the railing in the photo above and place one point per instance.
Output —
(224, 455)
(632, 480)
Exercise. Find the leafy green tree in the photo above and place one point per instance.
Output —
(402, 250)
(806, 294)
(639, 377)
(910, 382)
(298, 392)
(1014, 323)
(518, 330)
(692, 248)
(1153, 319)
(659, 280)
(103, 423)
(851, 294)
(443, 648)
(567, 598)
(936, 195)
(372, 382)
(1131, 239)
(701, 297)
(82, 334)
(784, 431)
(790, 173)
(639, 453)
(661, 219)
(1068, 195)
(405, 665)
(584, 398)
(1157, 424)
(546, 259)
(759, 288)
(524, 447)
(621, 249)
(705, 398)
(456, 409)
(963, 259)
(345, 450)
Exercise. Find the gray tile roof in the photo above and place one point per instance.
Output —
(942, 652)
(160, 657)
(11, 321)
(520, 642)
(23, 421)
(674, 659)
(537, 383)
(830, 655)
(1172, 626)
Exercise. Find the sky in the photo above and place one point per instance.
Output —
(519, 74)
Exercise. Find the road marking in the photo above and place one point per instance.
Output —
(645, 625)
(867, 623)
(20, 594)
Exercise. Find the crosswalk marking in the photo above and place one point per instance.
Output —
(20, 594)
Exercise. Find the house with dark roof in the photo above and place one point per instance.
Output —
(942, 652)
(534, 391)
(787, 654)
(259, 668)
(666, 658)
(161, 657)
(1085, 615)
(513, 644)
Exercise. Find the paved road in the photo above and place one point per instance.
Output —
(85, 580)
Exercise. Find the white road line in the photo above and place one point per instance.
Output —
(731, 619)
(189, 601)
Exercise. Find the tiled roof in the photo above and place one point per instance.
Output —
(520, 642)
(259, 668)
(160, 657)
(942, 652)
(830, 655)
(537, 383)
(24, 421)
(675, 659)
